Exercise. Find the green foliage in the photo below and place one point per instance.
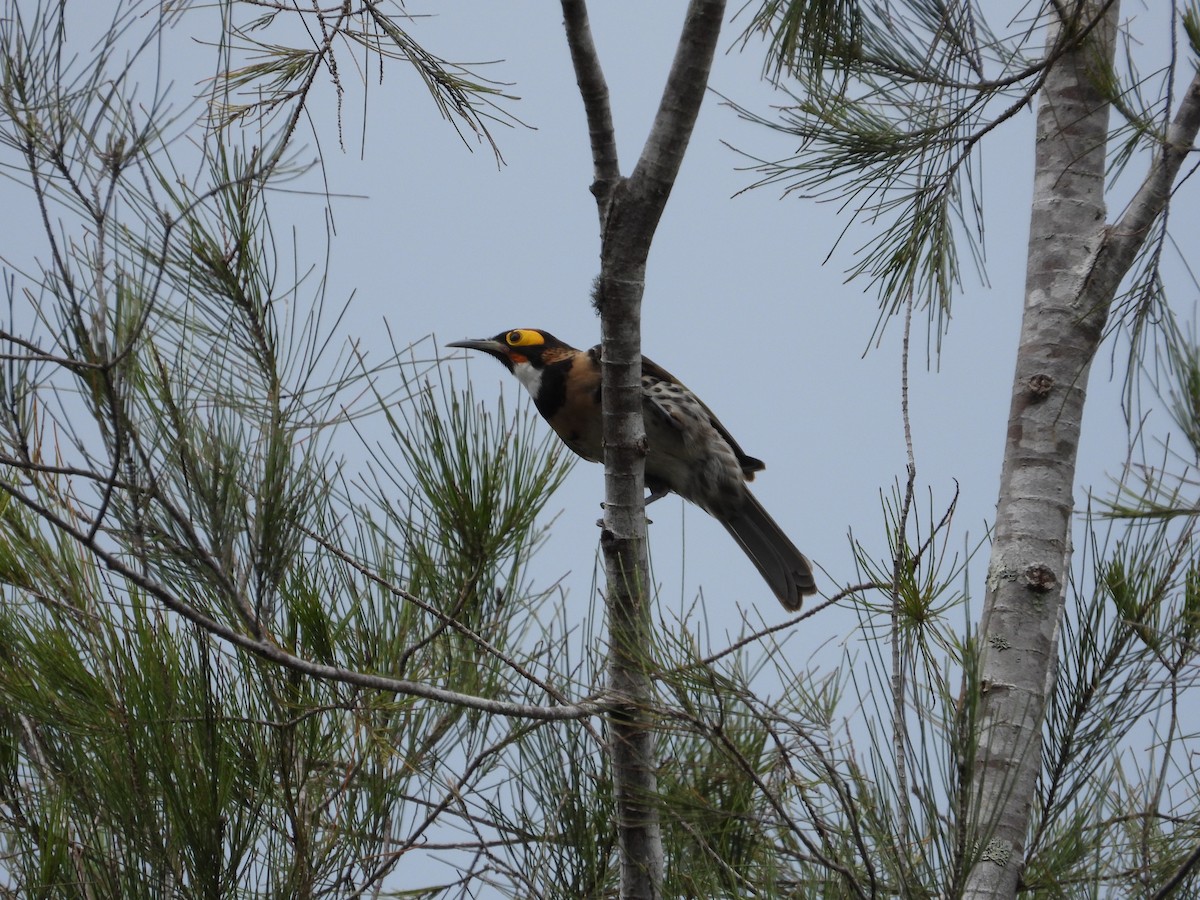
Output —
(807, 36)
(1182, 393)
(144, 758)
(176, 490)
(469, 517)
(266, 77)
(718, 822)
(224, 609)
(1191, 26)
(555, 811)
(888, 106)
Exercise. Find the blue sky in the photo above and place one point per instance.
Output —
(739, 302)
(746, 299)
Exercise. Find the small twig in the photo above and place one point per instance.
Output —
(899, 689)
(785, 625)
(593, 90)
(449, 621)
(274, 653)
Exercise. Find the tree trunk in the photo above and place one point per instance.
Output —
(630, 210)
(1031, 548)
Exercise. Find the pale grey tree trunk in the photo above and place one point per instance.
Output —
(1075, 266)
(1031, 546)
(630, 209)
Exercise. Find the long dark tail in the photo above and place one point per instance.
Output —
(785, 569)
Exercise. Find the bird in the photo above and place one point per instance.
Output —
(689, 452)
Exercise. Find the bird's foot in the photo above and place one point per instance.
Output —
(656, 494)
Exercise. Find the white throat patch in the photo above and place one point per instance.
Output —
(528, 376)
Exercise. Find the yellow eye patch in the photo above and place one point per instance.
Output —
(524, 337)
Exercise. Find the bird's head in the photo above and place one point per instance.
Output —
(524, 351)
(518, 347)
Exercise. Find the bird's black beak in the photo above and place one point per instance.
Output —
(489, 346)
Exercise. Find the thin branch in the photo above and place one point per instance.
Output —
(1126, 237)
(1185, 869)
(787, 624)
(593, 89)
(899, 732)
(276, 654)
(481, 642)
(656, 169)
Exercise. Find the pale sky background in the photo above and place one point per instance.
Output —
(737, 302)
(740, 303)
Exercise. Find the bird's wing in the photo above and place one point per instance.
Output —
(749, 464)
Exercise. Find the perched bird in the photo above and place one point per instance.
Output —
(689, 452)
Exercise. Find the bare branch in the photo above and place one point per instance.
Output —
(273, 652)
(654, 175)
(630, 211)
(1125, 238)
(594, 91)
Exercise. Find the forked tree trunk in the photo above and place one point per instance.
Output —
(1075, 267)
(630, 209)
(1061, 330)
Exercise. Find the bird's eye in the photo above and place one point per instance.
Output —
(514, 338)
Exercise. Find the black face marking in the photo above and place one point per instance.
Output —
(552, 393)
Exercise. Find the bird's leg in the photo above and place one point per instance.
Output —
(657, 493)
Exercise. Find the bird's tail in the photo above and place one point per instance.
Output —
(782, 566)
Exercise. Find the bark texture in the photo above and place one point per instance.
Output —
(630, 209)
(1031, 545)
(1076, 264)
